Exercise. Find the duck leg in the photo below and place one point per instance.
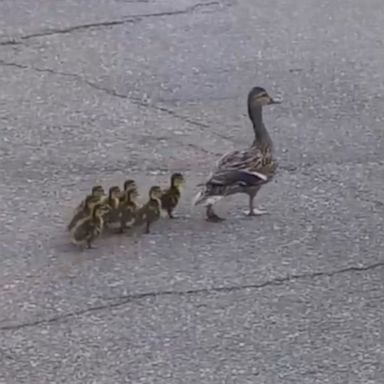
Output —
(170, 214)
(252, 210)
(147, 227)
(89, 243)
(212, 216)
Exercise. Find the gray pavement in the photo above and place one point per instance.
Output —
(98, 91)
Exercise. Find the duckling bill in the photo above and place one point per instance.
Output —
(89, 228)
(151, 211)
(170, 198)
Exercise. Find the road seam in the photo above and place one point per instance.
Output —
(120, 301)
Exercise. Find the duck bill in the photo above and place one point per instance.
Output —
(275, 101)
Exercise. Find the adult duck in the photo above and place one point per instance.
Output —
(243, 171)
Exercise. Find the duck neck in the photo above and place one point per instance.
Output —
(154, 199)
(95, 214)
(130, 197)
(262, 137)
(174, 186)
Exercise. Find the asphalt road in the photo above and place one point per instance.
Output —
(99, 91)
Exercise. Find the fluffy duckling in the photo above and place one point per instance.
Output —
(97, 191)
(89, 228)
(128, 208)
(171, 196)
(128, 185)
(113, 201)
(89, 202)
(151, 211)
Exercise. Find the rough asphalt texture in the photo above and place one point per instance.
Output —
(98, 91)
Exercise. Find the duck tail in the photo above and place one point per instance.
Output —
(206, 196)
(200, 197)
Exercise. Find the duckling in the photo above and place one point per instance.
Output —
(243, 171)
(90, 227)
(97, 190)
(128, 185)
(89, 203)
(128, 208)
(151, 211)
(171, 196)
(113, 201)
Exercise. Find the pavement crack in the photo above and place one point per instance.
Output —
(289, 168)
(5, 63)
(158, 108)
(162, 109)
(187, 10)
(10, 42)
(119, 301)
(134, 100)
(63, 31)
(109, 23)
(11, 64)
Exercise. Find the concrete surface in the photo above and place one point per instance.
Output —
(98, 91)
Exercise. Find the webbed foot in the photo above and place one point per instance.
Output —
(256, 212)
(212, 217)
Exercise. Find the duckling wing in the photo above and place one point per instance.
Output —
(140, 215)
(82, 231)
(79, 208)
(76, 218)
(170, 199)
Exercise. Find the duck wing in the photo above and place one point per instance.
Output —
(226, 182)
(251, 158)
(240, 177)
(236, 171)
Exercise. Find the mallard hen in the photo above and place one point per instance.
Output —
(243, 171)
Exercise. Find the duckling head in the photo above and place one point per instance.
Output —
(133, 194)
(129, 184)
(98, 190)
(114, 192)
(258, 97)
(177, 180)
(155, 192)
(91, 200)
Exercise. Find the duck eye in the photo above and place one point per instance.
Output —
(262, 95)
